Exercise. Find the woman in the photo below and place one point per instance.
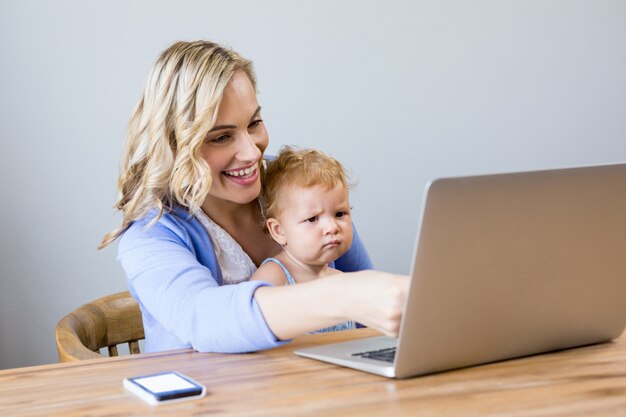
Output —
(191, 233)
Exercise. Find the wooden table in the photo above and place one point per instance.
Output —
(586, 381)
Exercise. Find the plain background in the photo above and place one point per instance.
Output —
(400, 91)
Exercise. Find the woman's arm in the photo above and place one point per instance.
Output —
(373, 298)
(182, 302)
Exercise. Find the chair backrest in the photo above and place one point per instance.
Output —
(105, 322)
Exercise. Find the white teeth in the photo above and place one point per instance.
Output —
(241, 172)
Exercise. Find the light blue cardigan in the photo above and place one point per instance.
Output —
(172, 270)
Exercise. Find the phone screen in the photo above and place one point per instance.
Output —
(167, 386)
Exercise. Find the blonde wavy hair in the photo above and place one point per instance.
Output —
(161, 164)
(301, 168)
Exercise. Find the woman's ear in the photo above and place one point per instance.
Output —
(276, 231)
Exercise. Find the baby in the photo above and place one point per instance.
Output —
(307, 211)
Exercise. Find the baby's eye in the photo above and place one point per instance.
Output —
(341, 213)
(312, 219)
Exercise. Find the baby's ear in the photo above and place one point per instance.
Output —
(276, 231)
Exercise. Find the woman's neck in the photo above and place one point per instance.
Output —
(244, 223)
(230, 215)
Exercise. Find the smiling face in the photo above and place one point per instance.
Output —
(315, 225)
(234, 147)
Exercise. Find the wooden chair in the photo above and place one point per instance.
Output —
(106, 322)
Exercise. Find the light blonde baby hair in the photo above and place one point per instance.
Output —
(161, 164)
(301, 168)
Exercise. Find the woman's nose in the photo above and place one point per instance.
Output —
(248, 148)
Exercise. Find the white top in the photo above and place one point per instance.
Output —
(234, 262)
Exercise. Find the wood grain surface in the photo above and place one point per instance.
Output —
(588, 381)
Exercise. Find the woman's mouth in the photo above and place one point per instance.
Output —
(242, 173)
(243, 176)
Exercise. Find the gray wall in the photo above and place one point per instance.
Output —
(400, 91)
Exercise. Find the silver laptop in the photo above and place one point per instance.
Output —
(506, 265)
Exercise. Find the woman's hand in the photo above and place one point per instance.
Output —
(374, 299)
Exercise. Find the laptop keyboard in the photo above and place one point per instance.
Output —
(387, 354)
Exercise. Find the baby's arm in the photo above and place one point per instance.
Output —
(270, 272)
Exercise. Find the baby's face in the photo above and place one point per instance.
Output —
(316, 223)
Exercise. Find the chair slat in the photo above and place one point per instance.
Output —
(133, 347)
(113, 350)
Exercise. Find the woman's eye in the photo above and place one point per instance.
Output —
(255, 123)
(220, 139)
(312, 219)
